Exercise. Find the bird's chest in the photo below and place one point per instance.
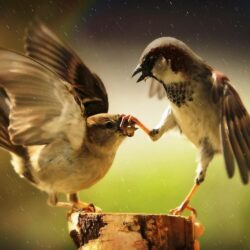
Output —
(180, 93)
(198, 117)
(60, 169)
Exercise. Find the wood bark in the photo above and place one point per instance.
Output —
(101, 231)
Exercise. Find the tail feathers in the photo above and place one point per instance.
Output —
(5, 141)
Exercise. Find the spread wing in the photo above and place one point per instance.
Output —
(234, 128)
(44, 46)
(156, 89)
(41, 105)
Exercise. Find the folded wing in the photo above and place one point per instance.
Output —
(44, 46)
(234, 129)
(41, 105)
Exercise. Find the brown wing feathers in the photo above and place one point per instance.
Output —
(4, 121)
(44, 46)
(237, 125)
(226, 148)
(5, 141)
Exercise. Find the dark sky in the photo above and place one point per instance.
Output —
(198, 20)
(226, 22)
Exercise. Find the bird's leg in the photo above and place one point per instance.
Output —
(185, 204)
(73, 203)
(206, 155)
(53, 202)
(166, 123)
(77, 204)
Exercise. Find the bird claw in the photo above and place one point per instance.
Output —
(178, 210)
(127, 120)
(132, 121)
(86, 207)
(127, 125)
(184, 206)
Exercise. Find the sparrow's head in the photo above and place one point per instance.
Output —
(104, 130)
(167, 60)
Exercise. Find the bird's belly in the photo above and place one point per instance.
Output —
(80, 175)
(67, 172)
(70, 179)
(199, 120)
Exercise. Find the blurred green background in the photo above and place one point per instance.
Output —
(145, 177)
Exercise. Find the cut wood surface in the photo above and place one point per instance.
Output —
(103, 231)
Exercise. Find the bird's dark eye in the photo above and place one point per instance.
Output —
(150, 62)
(151, 58)
(109, 125)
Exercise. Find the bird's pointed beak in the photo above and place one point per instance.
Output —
(138, 70)
(145, 72)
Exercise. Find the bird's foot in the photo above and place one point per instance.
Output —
(127, 125)
(184, 206)
(75, 206)
(86, 207)
(131, 120)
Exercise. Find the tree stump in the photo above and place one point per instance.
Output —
(103, 231)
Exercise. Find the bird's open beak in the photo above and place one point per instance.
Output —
(139, 69)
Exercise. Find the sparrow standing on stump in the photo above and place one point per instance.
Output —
(53, 118)
(203, 105)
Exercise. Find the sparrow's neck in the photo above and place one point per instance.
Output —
(101, 150)
(178, 87)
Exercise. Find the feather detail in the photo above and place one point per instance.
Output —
(234, 127)
(41, 105)
(226, 148)
(44, 46)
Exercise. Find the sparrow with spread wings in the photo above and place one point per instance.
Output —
(203, 105)
(53, 118)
